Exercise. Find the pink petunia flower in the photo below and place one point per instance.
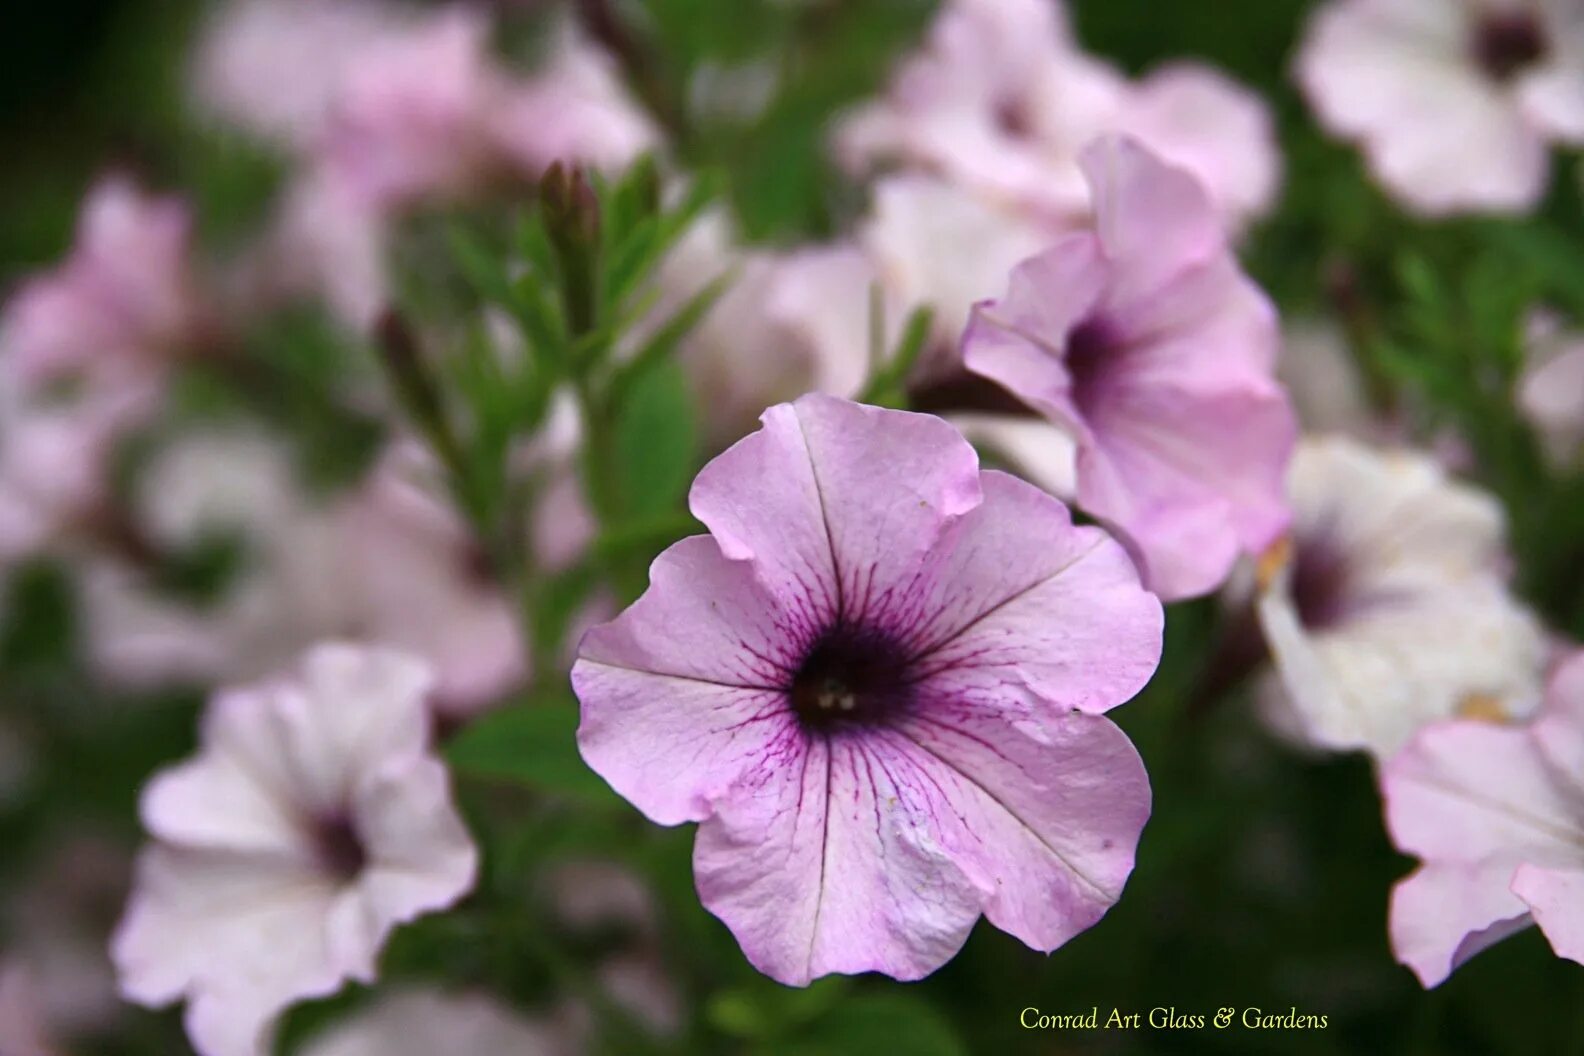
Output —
(84, 352)
(22, 1031)
(124, 293)
(1454, 104)
(1496, 812)
(1144, 339)
(1550, 391)
(876, 684)
(574, 108)
(411, 115)
(388, 562)
(1003, 100)
(273, 68)
(312, 822)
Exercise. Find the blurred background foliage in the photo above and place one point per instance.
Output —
(1263, 875)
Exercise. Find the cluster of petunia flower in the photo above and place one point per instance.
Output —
(879, 683)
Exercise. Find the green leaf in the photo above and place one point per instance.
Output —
(669, 335)
(877, 1022)
(655, 442)
(532, 744)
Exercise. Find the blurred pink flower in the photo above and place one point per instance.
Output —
(274, 68)
(84, 349)
(1454, 104)
(1496, 813)
(1319, 373)
(865, 685)
(913, 216)
(312, 822)
(413, 576)
(1551, 388)
(123, 293)
(427, 1022)
(1144, 339)
(1002, 100)
(789, 322)
(388, 562)
(1386, 607)
(410, 118)
(394, 110)
(56, 442)
(57, 922)
(21, 1017)
(575, 108)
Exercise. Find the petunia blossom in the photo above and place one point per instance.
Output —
(1455, 104)
(1143, 339)
(84, 352)
(22, 1030)
(1386, 608)
(1496, 812)
(783, 326)
(123, 294)
(385, 562)
(876, 685)
(313, 820)
(1002, 100)
(1550, 391)
(397, 110)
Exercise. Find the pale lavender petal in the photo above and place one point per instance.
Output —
(1446, 913)
(833, 500)
(1044, 818)
(1153, 219)
(1555, 897)
(1002, 597)
(823, 864)
(242, 936)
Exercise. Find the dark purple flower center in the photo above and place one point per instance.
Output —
(1319, 583)
(1506, 43)
(1013, 119)
(851, 677)
(338, 847)
(1091, 348)
(478, 565)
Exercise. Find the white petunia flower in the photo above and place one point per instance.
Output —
(1385, 608)
(1454, 102)
(313, 820)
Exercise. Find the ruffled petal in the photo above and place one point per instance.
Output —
(833, 501)
(1022, 601)
(1445, 913)
(241, 936)
(1555, 897)
(1044, 818)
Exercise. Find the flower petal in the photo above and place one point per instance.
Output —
(1556, 901)
(1446, 913)
(1020, 599)
(421, 857)
(818, 865)
(241, 936)
(1043, 818)
(1172, 469)
(832, 500)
